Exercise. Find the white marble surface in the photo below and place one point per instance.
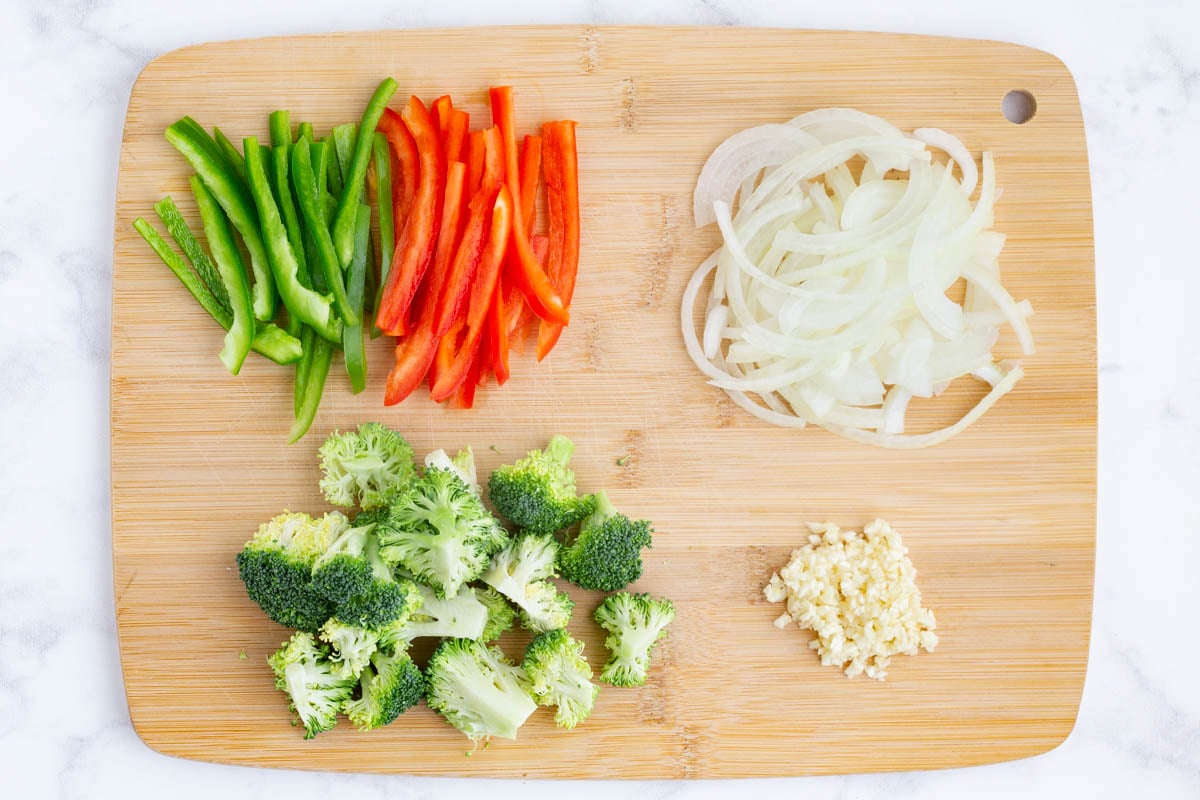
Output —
(66, 69)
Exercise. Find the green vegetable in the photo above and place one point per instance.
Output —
(233, 275)
(352, 335)
(280, 126)
(202, 154)
(276, 566)
(560, 676)
(607, 552)
(307, 192)
(269, 341)
(280, 159)
(352, 646)
(501, 615)
(537, 493)
(309, 307)
(441, 532)
(314, 386)
(635, 623)
(305, 131)
(361, 587)
(387, 224)
(303, 366)
(303, 671)
(463, 616)
(521, 572)
(477, 690)
(390, 685)
(177, 226)
(369, 467)
(344, 221)
(232, 158)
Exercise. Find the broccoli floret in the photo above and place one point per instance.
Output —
(607, 552)
(276, 567)
(635, 623)
(477, 690)
(462, 616)
(560, 676)
(537, 493)
(441, 532)
(302, 670)
(343, 571)
(390, 686)
(521, 572)
(501, 616)
(463, 465)
(352, 647)
(368, 467)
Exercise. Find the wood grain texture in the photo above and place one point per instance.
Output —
(1000, 521)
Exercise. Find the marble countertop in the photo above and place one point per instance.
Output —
(67, 67)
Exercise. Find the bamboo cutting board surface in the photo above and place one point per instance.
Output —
(1000, 521)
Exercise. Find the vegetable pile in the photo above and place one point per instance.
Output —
(457, 271)
(422, 556)
(829, 301)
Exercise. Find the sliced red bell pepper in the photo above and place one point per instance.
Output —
(454, 136)
(516, 310)
(475, 154)
(562, 201)
(531, 169)
(417, 245)
(464, 396)
(415, 352)
(440, 110)
(406, 165)
(497, 333)
(482, 291)
(539, 292)
(474, 236)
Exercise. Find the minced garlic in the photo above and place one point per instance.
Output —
(858, 593)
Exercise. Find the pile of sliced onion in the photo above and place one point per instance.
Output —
(828, 303)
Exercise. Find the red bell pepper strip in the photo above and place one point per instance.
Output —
(454, 135)
(530, 168)
(482, 291)
(562, 200)
(415, 352)
(497, 333)
(464, 396)
(474, 237)
(516, 309)
(406, 167)
(440, 110)
(416, 248)
(539, 292)
(475, 154)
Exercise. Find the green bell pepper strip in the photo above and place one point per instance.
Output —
(314, 387)
(237, 204)
(352, 339)
(305, 131)
(308, 340)
(307, 188)
(387, 223)
(269, 340)
(304, 304)
(177, 226)
(280, 125)
(353, 176)
(233, 273)
(333, 176)
(229, 153)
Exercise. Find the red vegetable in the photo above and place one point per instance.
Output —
(562, 201)
(539, 293)
(405, 164)
(475, 154)
(455, 134)
(482, 291)
(417, 244)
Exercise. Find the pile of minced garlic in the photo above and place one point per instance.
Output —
(858, 593)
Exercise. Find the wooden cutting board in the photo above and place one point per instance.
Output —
(1000, 521)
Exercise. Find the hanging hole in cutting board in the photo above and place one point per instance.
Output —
(1018, 106)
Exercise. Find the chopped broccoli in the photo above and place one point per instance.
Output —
(352, 647)
(276, 566)
(521, 572)
(441, 532)
(368, 467)
(304, 672)
(343, 571)
(560, 676)
(501, 616)
(635, 623)
(537, 493)
(477, 690)
(463, 465)
(386, 600)
(462, 617)
(390, 686)
(607, 552)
